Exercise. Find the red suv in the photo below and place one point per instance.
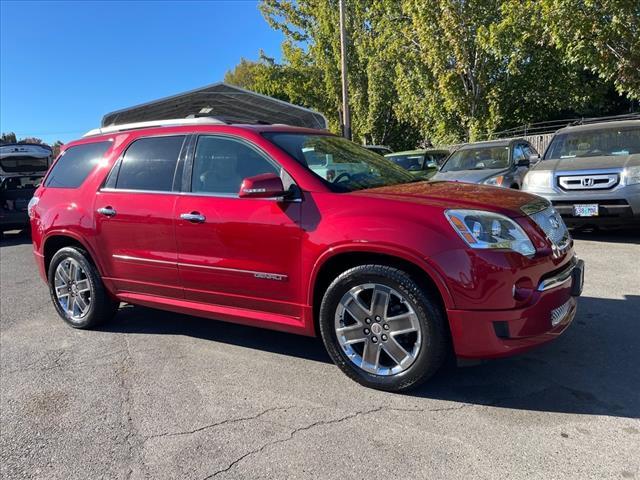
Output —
(302, 231)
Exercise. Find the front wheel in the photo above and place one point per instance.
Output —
(382, 329)
(77, 291)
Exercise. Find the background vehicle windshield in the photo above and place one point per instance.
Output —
(408, 162)
(482, 158)
(344, 165)
(592, 143)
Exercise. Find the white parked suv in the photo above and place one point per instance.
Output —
(591, 174)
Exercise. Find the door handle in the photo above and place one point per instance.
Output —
(107, 211)
(193, 217)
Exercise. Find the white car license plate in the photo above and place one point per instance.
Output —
(587, 210)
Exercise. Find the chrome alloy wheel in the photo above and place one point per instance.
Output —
(73, 289)
(378, 329)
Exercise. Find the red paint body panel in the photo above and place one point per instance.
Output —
(256, 261)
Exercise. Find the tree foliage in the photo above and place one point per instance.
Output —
(450, 70)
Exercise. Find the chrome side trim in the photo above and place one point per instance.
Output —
(263, 275)
(256, 274)
(128, 258)
(558, 279)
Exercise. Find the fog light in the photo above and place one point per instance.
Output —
(560, 313)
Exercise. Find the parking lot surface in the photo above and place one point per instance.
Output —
(163, 396)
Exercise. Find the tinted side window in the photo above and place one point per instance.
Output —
(220, 164)
(150, 163)
(75, 164)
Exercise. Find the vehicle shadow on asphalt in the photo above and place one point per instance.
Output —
(592, 369)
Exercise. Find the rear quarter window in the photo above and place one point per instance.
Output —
(75, 164)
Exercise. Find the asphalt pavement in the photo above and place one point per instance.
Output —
(156, 395)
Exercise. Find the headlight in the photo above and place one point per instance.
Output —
(537, 180)
(632, 175)
(496, 181)
(490, 231)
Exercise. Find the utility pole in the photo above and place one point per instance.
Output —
(346, 114)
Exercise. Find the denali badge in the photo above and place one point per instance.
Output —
(270, 276)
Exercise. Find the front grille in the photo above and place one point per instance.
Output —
(554, 228)
(560, 313)
(589, 182)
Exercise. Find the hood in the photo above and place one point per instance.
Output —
(589, 163)
(457, 195)
(468, 176)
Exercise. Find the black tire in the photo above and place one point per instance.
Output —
(101, 307)
(431, 319)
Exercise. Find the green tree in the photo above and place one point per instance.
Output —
(602, 36)
(8, 137)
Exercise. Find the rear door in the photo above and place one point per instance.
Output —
(135, 217)
(236, 252)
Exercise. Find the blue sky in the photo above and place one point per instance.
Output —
(64, 64)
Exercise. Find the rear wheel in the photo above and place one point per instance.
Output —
(77, 291)
(382, 329)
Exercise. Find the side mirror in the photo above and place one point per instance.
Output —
(523, 162)
(534, 158)
(266, 185)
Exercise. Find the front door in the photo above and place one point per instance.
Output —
(135, 218)
(236, 252)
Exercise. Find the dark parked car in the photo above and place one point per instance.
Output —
(15, 193)
(243, 223)
(421, 163)
(501, 163)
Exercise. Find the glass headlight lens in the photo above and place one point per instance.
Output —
(496, 181)
(632, 175)
(490, 231)
(537, 180)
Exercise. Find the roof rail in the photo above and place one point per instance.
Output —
(173, 122)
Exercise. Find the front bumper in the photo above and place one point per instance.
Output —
(619, 206)
(501, 333)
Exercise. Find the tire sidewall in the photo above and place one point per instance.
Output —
(89, 269)
(427, 360)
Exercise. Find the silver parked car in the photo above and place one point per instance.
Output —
(591, 174)
(502, 163)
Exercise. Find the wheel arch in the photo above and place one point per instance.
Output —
(336, 261)
(61, 239)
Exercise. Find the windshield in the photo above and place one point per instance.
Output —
(481, 158)
(24, 163)
(344, 165)
(410, 162)
(592, 143)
